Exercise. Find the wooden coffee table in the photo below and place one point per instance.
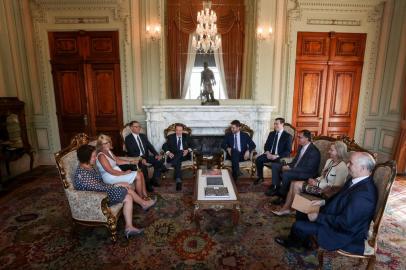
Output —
(217, 204)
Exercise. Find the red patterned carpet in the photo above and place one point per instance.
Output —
(36, 232)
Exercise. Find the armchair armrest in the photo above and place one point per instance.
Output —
(86, 205)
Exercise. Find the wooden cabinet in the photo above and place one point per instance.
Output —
(13, 132)
(86, 74)
(327, 82)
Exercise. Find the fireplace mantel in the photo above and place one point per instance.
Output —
(208, 120)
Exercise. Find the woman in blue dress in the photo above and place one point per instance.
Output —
(87, 178)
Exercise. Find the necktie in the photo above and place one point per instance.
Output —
(179, 143)
(142, 151)
(300, 156)
(274, 143)
(235, 142)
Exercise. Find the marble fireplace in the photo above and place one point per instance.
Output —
(208, 120)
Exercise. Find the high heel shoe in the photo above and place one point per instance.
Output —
(282, 213)
(129, 233)
(148, 207)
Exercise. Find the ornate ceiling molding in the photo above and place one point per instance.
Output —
(81, 20)
(334, 22)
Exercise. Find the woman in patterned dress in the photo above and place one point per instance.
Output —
(334, 175)
(107, 164)
(87, 178)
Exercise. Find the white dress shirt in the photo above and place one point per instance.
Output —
(358, 179)
(279, 133)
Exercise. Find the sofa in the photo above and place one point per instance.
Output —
(87, 207)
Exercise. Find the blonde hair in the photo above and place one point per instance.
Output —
(102, 139)
(341, 149)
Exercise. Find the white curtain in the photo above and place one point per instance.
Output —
(218, 57)
(189, 66)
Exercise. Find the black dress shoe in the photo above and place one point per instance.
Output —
(178, 186)
(258, 180)
(272, 191)
(286, 242)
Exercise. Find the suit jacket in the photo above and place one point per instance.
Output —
(345, 219)
(309, 163)
(133, 149)
(172, 143)
(245, 141)
(284, 145)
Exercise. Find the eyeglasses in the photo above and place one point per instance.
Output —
(135, 126)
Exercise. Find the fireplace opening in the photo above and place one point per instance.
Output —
(207, 144)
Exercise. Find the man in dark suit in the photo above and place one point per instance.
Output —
(238, 146)
(178, 147)
(305, 165)
(138, 145)
(278, 145)
(343, 223)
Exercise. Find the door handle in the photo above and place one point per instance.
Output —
(320, 118)
(85, 119)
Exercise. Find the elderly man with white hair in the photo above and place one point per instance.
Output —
(343, 221)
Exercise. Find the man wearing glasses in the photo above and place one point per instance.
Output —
(305, 165)
(138, 145)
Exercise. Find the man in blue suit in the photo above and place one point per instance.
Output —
(305, 165)
(138, 145)
(278, 145)
(238, 146)
(343, 223)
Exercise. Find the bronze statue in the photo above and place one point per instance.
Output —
(207, 80)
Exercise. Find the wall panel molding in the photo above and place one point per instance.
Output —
(88, 15)
(368, 12)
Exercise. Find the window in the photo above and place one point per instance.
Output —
(194, 89)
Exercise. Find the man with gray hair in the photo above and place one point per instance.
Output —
(343, 221)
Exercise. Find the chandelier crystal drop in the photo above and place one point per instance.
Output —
(207, 39)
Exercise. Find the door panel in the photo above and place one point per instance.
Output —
(309, 96)
(347, 47)
(342, 96)
(105, 90)
(312, 46)
(71, 102)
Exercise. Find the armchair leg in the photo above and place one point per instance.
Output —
(320, 257)
(371, 263)
(112, 224)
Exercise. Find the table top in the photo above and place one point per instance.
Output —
(227, 181)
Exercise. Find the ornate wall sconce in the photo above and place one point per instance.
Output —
(153, 31)
(263, 34)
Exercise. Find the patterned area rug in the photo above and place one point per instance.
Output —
(36, 232)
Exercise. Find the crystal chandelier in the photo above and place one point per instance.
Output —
(206, 30)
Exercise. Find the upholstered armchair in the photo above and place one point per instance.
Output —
(87, 207)
(123, 133)
(292, 131)
(323, 144)
(248, 165)
(187, 164)
(384, 175)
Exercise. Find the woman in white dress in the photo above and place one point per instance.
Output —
(334, 175)
(107, 164)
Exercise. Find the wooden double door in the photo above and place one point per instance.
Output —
(327, 82)
(86, 76)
